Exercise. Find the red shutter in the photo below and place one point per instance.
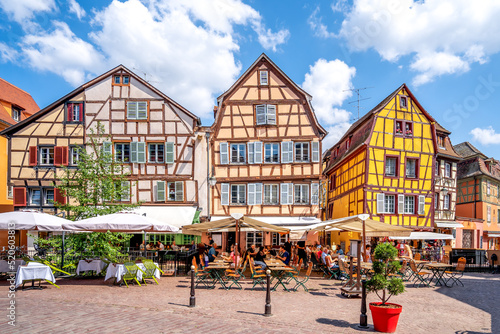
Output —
(33, 155)
(58, 155)
(81, 112)
(59, 196)
(69, 106)
(64, 158)
(19, 196)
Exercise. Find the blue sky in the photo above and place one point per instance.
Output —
(193, 50)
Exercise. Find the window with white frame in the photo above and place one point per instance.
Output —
(409, 205)
(265, 114)
(436, 171)
(238, 153)
(302, 152)
(271, 194)
(488, 187)
(411, 168)
(122, 152)
(390, 166)
(488, 214)
(47, 155)
(16, 114)
(175, 191)
(75, 155)
(137, 110)
(271, 153)
(279, 239)
(446, 202)
(35, 196)
(389, 203)
(254, 238)
(403, 101)
(156, 152)
(48, 196)
(301, 194)
(447, 169)
(238, 194)
(264, 78)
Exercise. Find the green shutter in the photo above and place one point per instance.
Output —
(125, 191)
(133, 151)
(160, 191)
(132, 110)
(179, 191)
(141, 152)
(142, 110)
(169, 153)
(107, 148)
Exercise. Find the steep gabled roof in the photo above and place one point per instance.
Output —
(244, 76)
(80, 89)
(467, 150)
(361, 129)
(17, 97)
(448, 150)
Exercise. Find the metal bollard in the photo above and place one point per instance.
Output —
(192, 299)
(267, 312)
(363, 318)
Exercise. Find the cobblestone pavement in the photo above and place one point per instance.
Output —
(89, 305)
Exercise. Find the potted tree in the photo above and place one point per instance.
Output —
(385, 284)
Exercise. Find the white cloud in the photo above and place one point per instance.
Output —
(22, 10)
(485, 136)
(7, 54)
(329, 82)
(316, 23)
(434, 32)
(75, 8)
(270, 40)
(60, 51)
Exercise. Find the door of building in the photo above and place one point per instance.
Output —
(467, 238)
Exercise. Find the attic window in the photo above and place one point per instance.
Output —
(348, 143)
(403, 102)
(121, 80)
(441, 141)
(16, 114)
(264, 78)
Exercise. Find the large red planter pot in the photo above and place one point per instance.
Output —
(385, 319)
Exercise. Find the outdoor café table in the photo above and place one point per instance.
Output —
(117, 271)
(90, 265)
(5, 267)
(216, 271)
(34, 271)
(438, 270)
(280, 273)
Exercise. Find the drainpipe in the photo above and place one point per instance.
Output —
(207, 136)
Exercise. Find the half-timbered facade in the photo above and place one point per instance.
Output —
(384, 165)
(152, 135)
(265, 150)
(445, 183)
(478, 197)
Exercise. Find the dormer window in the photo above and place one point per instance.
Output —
(16, 114)
(441, 141)
(264, 79)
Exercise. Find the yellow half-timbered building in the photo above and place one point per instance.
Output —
(384, 165)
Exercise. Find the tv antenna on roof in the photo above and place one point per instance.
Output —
(359, 99)
(145, 75)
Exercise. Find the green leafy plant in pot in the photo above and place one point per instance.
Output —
(385, 283)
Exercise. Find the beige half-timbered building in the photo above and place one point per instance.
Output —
(265, 150)
(155, 137)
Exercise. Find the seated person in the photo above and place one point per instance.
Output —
(324, 254)
(259, 258)
(148, 246)
(330, 262)
(160, 246)
(212, 254)
(142, 246)
(283, 255)
(175, 247)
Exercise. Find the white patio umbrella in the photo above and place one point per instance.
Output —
(120, 222)
(30, 220)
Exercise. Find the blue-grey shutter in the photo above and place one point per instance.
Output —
(421, 205)
(125, 191)
(315, 151)
(315, 193)
(286, 157)
(271, 114)
(258, 152)
(142, 110)
(284, 193)
(251, 194)
(224, 194)
(251, 155)
(179, 191)
(160, 191)
(131, 110)
(141, 152)
(224, 158)
(380, 203)
(260, 112)
(401, 204)
(133, 151)
(107, 147)
(169, 153)
(258, 193)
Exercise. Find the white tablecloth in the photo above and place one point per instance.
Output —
(118, 270)
(94, 265)
(34, 270)
(5, 268)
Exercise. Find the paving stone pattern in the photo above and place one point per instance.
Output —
(91, 306)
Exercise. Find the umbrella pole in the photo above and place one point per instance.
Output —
(145, 251)
(62, 251)
(236, 245)
(364, 241)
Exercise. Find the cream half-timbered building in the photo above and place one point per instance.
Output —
(265, 150)
(152, 135)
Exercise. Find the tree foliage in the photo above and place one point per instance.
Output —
(98, 184)
(383, 266)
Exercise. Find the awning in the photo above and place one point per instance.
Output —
(288, 222)
(229, 225)
(493, 235)
(173, 215)
(373, 228)
(449, 224)
(425, 236)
